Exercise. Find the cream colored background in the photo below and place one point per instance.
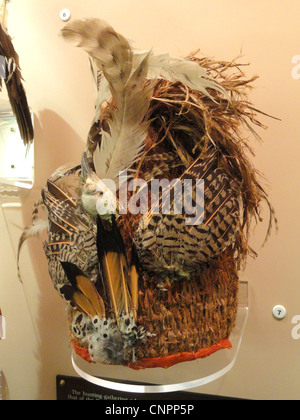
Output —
(61, 94)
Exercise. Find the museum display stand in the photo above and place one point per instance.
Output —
(184, 376)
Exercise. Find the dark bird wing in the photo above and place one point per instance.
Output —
(15, 89)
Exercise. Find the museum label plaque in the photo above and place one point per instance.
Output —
(77, 389)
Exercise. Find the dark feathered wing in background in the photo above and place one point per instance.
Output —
(15, 89)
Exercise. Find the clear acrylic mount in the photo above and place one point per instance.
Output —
(181, 377)
(16, 160)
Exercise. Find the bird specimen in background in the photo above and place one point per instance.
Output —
(156, 118)
(10, 73)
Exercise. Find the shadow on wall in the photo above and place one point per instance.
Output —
(56, 144)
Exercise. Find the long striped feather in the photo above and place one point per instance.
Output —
(134, 279)
(114, 267)
(112, 54)
(124, 144)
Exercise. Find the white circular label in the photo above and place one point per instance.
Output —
(279, 312)
(65, 15)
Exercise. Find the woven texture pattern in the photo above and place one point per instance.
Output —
(191, 315)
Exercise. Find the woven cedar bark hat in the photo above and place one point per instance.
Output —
(147, 289)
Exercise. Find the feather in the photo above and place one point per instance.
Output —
(63, 171)
(102, 86)
(35, 230)
(189, 73)
(82, 293)
(103, 94)
(125, 283)
(134, 278)
(114, 267)
(85, 167)
(59, 194)
(162, 66)
(124, 144)
(63, 213)
(15, 90)
(111, 52)
(37, 227)
(63, 209)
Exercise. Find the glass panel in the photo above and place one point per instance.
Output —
(16, 162)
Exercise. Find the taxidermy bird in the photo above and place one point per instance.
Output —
(156, 118)
(12, 77)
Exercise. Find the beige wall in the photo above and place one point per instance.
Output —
(61, 94)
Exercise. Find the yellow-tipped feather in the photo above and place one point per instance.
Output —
(82, 292)
(114, 267)
(89, 290)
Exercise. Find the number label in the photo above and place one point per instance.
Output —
(279, 312)
(65, 15)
